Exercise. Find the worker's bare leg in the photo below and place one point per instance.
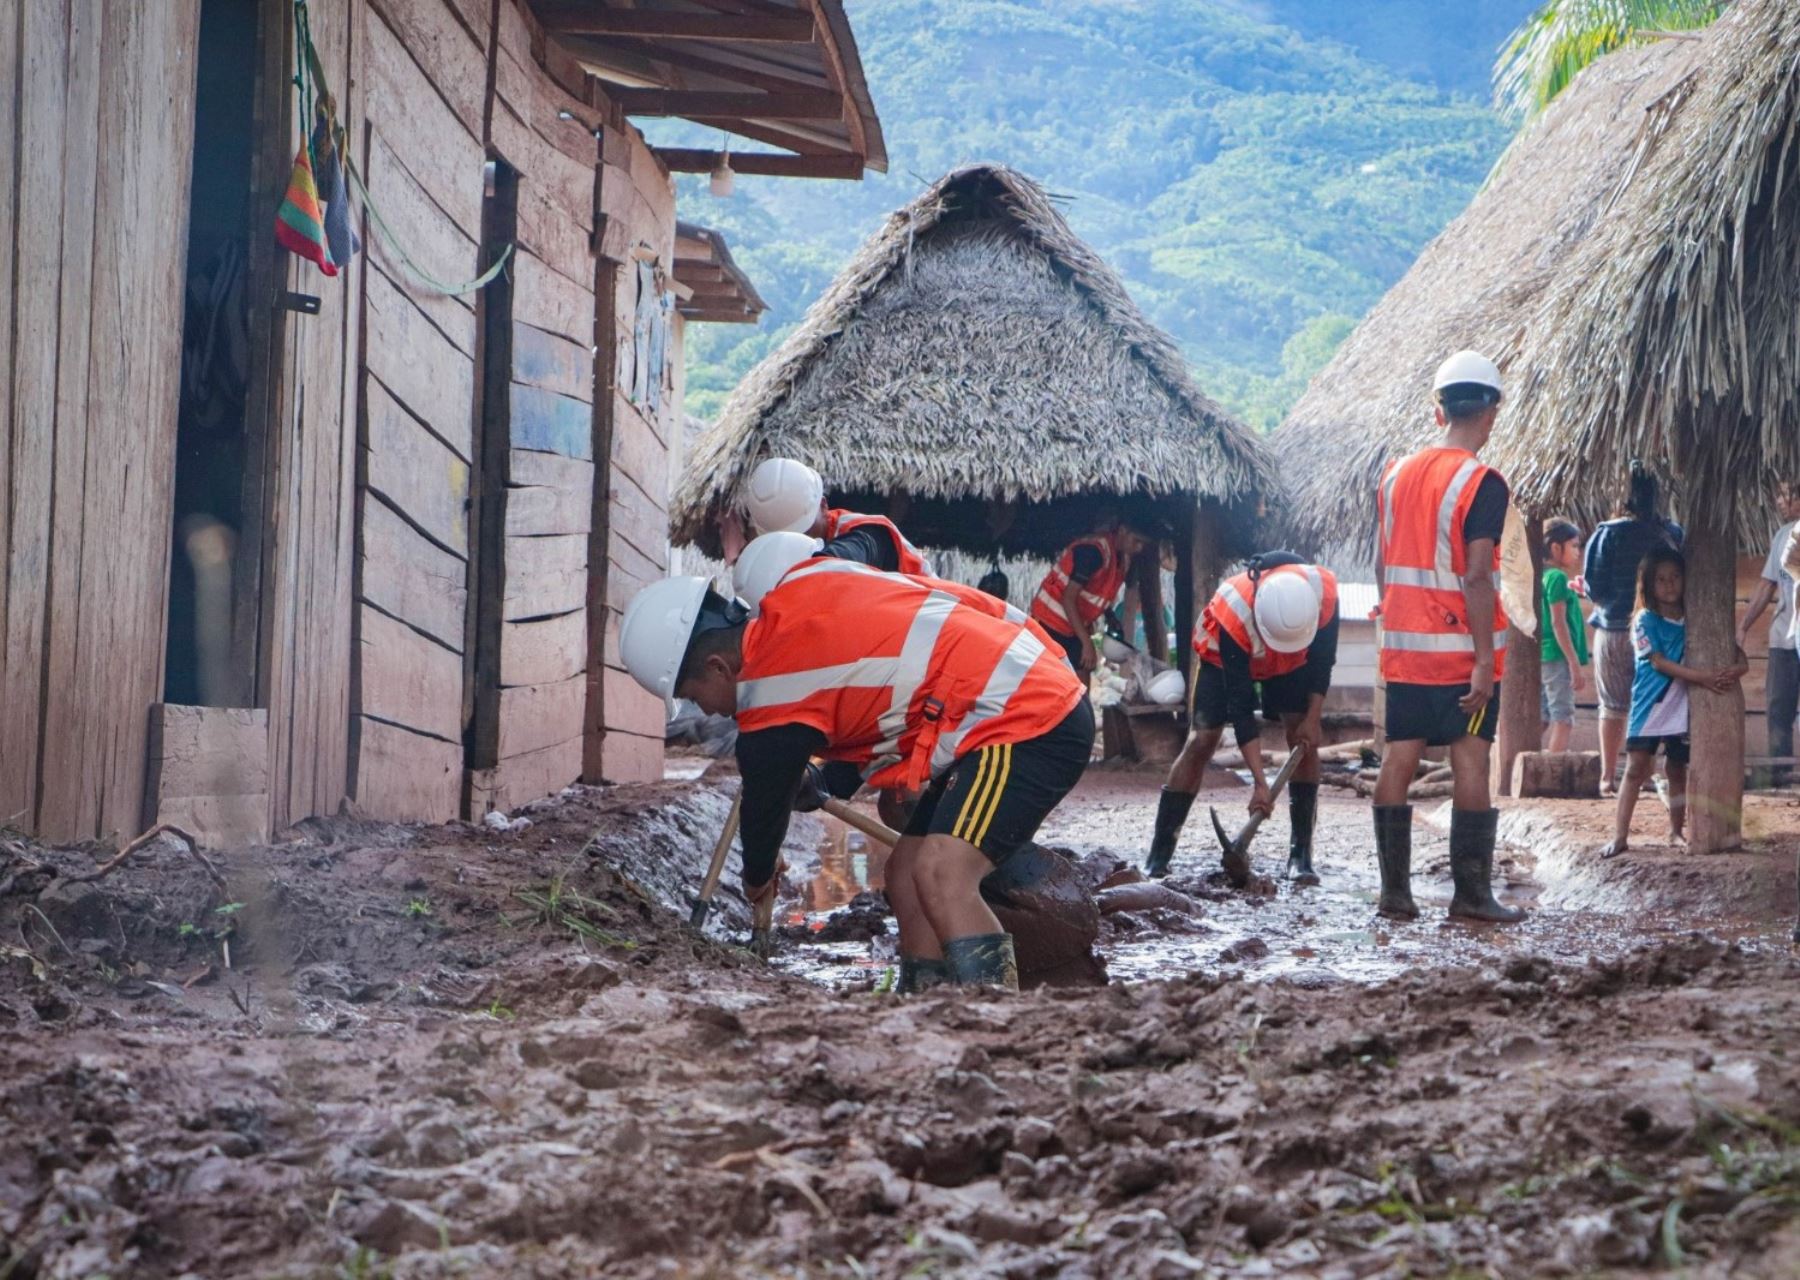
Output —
(1303, 805)
(948, 875)
(1185, 777)
(1393, 827)
(1612, 742)
(1470, 760)
(921, 955)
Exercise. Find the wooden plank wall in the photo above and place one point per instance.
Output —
(96, 126)
(626, 723)
(425, 76)
(307, 632)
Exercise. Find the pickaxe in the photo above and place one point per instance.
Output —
(1235, 854)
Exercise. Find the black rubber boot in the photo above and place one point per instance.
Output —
(1171, 811)
(919, 974)
(983, 960)
(1393, 849)
(1472, 868)
(1303, 816)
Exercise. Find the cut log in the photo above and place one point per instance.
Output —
(1568, 775)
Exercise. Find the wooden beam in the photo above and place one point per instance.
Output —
(763, 164)
(812, 105)
(1520, 727)
(687, 59)
(720, 317)
(582, 19)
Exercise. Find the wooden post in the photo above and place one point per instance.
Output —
(1521, 725)
(1716, 720)
(1185, 534)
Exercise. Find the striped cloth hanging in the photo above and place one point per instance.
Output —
(300, 222)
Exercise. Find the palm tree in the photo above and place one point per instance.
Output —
(1552, 46)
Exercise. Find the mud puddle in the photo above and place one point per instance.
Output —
(1313, 937)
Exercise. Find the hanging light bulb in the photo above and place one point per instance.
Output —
(723, 178)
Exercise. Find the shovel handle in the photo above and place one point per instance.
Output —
(721, 850)
(871, 827)
(1281, 780)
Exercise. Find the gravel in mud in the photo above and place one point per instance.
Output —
(456, 1052)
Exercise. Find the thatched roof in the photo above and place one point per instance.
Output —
(1633, 265)
(975, 350)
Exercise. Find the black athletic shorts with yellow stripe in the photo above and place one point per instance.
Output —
(998, 796)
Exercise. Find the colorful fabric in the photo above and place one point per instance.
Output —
(1558, 594)
(300, 222)
(1659, 702)
(340, 235)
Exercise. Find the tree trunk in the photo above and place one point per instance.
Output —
(1716, 720)
(1521, 726)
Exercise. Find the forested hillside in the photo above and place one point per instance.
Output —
(1259, 185)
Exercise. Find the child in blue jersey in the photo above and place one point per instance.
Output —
(1659, 693)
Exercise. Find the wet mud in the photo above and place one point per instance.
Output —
(451, 1051)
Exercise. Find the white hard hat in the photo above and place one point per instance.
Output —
(1287, 612)
(1467, 368)
(659, 623)
(783, 496)
(766, 561)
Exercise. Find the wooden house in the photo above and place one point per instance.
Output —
(1633, 265)
(272, 542)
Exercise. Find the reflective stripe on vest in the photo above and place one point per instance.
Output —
(940, 670)
(1095, 596)
(842, 522)
(1232, 610)
(1424, 633)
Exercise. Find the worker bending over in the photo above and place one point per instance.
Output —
(787, 496)
(1087, 580)
(921, 685)
(1443, 638)
(1274, 625)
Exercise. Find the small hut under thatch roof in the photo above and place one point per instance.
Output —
(1634, 266)
(980, 375)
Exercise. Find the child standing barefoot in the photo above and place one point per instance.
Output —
(1659, 693)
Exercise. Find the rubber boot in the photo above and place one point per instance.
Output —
(919, 974)
(1303, 816)
(1393, 849)
(1171, 811)
(1472, 868)
(983, 960)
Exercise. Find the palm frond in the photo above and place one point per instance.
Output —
(1552, 46)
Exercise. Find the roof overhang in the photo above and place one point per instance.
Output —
(780, 72)
(716, 288)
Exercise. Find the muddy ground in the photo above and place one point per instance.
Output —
(454, 1051)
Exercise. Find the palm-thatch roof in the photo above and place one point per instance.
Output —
(1633, 265)
(974, 352)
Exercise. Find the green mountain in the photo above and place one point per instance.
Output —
(1258, 185)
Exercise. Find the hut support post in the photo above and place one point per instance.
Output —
(1716, 720)
(1186, 541)
(1521, 726)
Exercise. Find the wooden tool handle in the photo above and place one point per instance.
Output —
(1281, 780)
(722, 850)
(871, 827)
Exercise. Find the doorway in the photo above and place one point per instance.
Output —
(227, 362)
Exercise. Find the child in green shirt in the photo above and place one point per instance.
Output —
(1565, 652)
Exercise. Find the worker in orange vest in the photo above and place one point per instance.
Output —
(786, 495)
(1087, 580)
(1275, 626)
(924, 685)
(1443, 637)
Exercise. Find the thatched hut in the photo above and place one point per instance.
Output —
(981, 375)
(1634, 266)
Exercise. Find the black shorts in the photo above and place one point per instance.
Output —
(997, 796)
(1281, 696)
(1071, 646)
(1429, 711)
(1675, 746)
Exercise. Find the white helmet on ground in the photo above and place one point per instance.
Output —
(783, 496)
(1287, 612)
(1468, 369)
(766, 561)
(658, 624)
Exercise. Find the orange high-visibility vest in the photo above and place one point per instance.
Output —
(1423, 502)
(838, 523)
(1097, 594)
(1232, 612)
(902, 675)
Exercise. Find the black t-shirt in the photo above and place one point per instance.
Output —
(868, 545)
(1087, 563)
(1487, 514)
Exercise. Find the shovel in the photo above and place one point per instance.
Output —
(1235, 854)
(710, 885)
